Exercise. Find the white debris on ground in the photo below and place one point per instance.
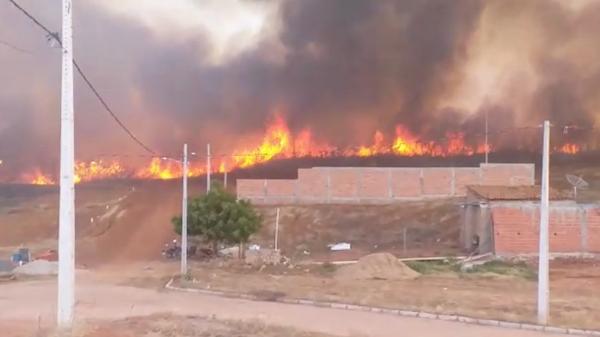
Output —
(37, 268)
(339, 246)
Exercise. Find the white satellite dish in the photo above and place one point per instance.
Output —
(577, 183)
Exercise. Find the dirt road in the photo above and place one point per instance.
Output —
(35, 302)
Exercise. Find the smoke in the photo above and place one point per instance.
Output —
(344, 68)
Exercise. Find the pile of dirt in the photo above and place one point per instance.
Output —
(379, 266)
(37, 268)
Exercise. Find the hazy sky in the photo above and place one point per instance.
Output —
(216, 70)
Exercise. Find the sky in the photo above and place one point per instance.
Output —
(218, 70)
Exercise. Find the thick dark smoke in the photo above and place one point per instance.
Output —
(344, 68)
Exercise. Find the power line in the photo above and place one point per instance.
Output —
(13, 47)
(54, 36)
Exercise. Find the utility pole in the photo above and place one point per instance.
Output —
(487, 146)
(66, 217)
(224, 175)
(543, 271)
(184, 202)
(207, 168)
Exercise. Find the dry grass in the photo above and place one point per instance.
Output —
(575, 301)
(177, 326)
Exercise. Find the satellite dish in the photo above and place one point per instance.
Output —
(577, 183)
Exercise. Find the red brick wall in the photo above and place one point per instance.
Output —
(250, 187)
(374, 183)
(572, 229)
(437, 181)
(406, 182)
(343, 183)
(313, 183)
(324, 185)
(281, 187)
(593, 230)
(463, 177)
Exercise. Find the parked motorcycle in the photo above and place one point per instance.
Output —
(173, 250)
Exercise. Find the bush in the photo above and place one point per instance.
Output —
(218, 217)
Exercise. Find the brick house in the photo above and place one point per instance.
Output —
(506, 221)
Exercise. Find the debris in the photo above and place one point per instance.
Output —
(263, 256)
(379, 266)
(339, 246)
(37, 268)
(48, 255)
(230, 251)
(470, 262)
(254, 247)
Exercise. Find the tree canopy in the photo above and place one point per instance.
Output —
(218, 217)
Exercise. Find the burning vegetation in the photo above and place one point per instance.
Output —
(280, 143)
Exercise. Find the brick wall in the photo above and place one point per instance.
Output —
(380, 185)
(573, 228)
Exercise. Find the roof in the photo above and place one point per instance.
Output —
(531, 192)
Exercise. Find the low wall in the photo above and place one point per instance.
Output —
(322, 185)
(573, 228)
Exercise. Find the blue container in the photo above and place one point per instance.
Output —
(24, 253)
(15, 258)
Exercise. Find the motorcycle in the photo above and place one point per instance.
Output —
(173, 250)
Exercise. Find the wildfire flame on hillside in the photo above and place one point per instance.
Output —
(279, 142)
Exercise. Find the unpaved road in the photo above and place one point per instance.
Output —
(35, 302)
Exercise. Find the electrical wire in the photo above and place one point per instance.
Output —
(54, 36)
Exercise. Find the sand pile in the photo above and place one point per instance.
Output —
(379, 266)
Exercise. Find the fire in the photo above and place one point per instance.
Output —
(279, 142)
(569, 148)
(406, 144)
(38, 178)
(275, 142)
(162, 169)
(97, 170)
(378, 146)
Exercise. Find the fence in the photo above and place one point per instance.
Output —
(339, 185)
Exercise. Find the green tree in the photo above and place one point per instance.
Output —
(218, 217)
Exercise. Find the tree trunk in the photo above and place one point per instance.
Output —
(242, 251)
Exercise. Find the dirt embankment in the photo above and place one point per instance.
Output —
(131, 221)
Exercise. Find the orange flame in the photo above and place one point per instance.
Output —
(275, 142)
(160, 169)
(569, 148)
(95, 170)
(279, 142)
(38, 178)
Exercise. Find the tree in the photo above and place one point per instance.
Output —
(218, 217)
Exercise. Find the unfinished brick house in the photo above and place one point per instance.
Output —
(506, 221)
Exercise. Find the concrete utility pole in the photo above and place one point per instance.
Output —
(207, 168)
(543, 271)
(66, 217)
(225, 175)
(184, 206)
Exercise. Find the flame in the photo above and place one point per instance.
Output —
(97, 170)
(569, 148)
(378, 146)
(38, 178)
(275, 142)
(280, 142)
(162, 169)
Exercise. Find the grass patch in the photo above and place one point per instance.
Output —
(434, 267)
(328, 268)
(499, 267)
(517, 269)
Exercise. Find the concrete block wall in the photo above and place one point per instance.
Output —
(321, 185)
(573, 228)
